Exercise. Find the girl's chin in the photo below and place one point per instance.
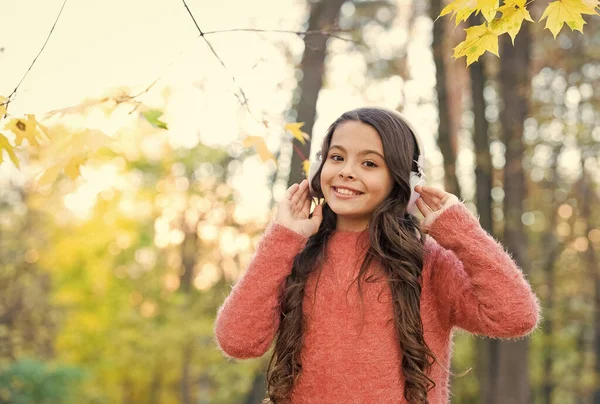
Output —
(343, 209)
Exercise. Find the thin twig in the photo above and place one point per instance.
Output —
(329, 33)
(299, 33)
(11, 96)
(302, 156)
(159, 76)
(245, 99)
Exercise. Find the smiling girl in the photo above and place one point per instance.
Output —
(360, 297)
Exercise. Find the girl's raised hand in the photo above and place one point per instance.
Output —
(294, 210)
(432, 203)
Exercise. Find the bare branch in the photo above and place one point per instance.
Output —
(329, 33)
(245, 99)
(11, 96)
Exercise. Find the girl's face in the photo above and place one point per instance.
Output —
(355, 161)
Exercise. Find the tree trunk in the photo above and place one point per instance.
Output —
(588, 199)
(184, 384)
(593, 265)
(323, 15)
(127, 396)
(550, 242)
(155, 385)
(513, 373)
(446, 137)
(259, 387)
(189, 250)
(487, 349)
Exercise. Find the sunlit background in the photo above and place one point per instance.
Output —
(97, 47)
(110, 282)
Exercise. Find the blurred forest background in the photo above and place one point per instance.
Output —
(110, 282)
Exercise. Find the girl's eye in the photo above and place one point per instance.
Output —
(369, 163)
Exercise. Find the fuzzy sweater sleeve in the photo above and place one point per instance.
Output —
(247, 321)
(478, 285)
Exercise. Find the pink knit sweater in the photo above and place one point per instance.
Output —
(469, 281)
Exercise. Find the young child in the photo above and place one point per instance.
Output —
(359, 296)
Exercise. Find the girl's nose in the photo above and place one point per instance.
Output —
(346, 172)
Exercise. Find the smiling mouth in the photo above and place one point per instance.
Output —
(345, 192)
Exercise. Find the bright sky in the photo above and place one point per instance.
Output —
(101, 45)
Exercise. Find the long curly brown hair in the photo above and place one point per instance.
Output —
(396, 240)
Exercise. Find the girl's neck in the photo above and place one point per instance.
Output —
(345, 226)
(350, 232)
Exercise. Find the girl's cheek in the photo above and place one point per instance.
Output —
(326, 172)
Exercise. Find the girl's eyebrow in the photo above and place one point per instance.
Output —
(367, 151)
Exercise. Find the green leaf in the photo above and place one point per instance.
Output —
(152, 116)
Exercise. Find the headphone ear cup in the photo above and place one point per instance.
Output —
(415, 179)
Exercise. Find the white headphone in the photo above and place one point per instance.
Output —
(416, 177)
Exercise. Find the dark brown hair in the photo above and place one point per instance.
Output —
(395, 240)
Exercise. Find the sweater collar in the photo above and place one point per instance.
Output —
(347, 236)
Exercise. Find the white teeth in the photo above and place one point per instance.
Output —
(346, 192)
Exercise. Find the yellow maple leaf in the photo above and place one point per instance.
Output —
(25, 129)
(5, 145)
(66, 143)
(48, 176)
(296, 132)
(480, 38)
(593, 4)
(70, 164)
(513, 15)
(462, 9)
(2, 106)
(306, 167)
(260, 146)
(488, 8)
(72, 169)
(567, 11)
(93, 139)
(516, 3)
(67, 152)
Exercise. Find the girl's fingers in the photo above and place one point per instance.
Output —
(302, 200)
(431, 191)
(306, 207)
(432, 196)
(290, 191)
(297, 193)
(426, 196)
(424, 208)
(434, 203)
(317, 214)
(419, 203)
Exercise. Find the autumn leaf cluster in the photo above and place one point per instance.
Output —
(508, 19)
